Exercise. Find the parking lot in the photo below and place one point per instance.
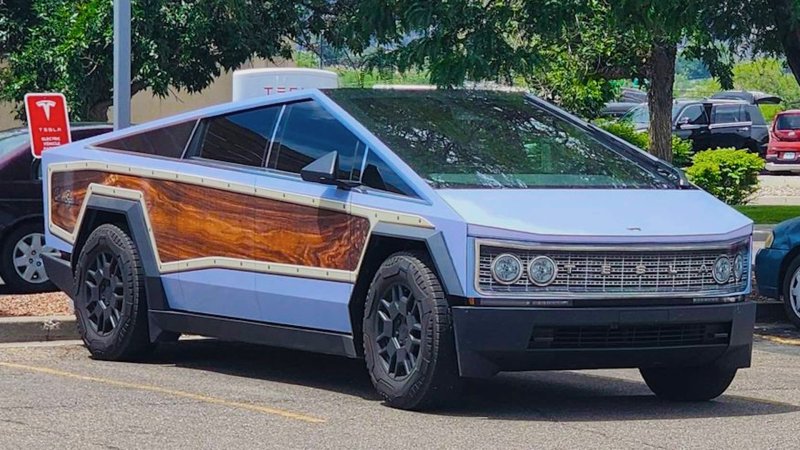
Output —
(212, 394)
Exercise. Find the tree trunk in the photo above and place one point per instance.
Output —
(788, 31)
(99, 111)
(661, 72)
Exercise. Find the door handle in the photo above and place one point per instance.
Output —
(743, 129)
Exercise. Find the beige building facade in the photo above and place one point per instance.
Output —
(146, 107)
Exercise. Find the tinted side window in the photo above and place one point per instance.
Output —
(239, 138)
(378, 175)
(754, 115)
(695, 114)
(726, 114)
(167, 141)
(308, 132)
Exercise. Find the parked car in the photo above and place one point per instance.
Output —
(750, 97)
(628, 99)
(778, 267)
(783, 152)
(437, 234)
(713, 123)
(21, 219)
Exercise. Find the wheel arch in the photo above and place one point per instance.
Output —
(387, 239)
(130, 216)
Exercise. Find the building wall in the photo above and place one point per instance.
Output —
(145, 107)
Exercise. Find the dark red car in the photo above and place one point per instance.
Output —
(783, 152)
(21, 221)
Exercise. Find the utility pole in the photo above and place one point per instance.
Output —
(122, 64)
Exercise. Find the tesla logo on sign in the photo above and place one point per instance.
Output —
(48, 121)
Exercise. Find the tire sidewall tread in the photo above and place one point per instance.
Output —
(130, 338)
(435, 377)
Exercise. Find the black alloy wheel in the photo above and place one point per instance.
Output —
(400, 330)
(104, 293)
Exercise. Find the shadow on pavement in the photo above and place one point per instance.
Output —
(531, 396)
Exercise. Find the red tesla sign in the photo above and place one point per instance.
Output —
(48, 121)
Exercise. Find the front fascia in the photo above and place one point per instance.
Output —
(476, 237)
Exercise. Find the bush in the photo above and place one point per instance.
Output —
(681, 152)
(728, 174)
(626, 132)
(681, 148)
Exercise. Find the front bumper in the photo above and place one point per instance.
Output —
(768, 271)
(490, 340)
(782, 167)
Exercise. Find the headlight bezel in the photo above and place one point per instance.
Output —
(553, 272)
(515, 258)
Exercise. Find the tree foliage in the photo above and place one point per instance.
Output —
(67, 45)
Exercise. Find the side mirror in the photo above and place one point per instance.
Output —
(324, 170)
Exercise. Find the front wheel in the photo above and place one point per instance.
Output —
(21, 265)
(688, 384)
(791, 292)
(110, 300)
(408, 335)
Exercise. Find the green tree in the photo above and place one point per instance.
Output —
(572, 47)
(67, 45)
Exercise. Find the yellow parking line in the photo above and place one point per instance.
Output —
(779, 340)
(160, 390)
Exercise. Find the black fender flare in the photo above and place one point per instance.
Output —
(437, 248)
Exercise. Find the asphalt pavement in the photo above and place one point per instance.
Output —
(212, 394)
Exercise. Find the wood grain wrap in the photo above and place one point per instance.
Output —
(191, 221)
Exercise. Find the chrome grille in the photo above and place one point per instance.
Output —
(683, 271)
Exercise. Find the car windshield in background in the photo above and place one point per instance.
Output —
(788, 122)
(11, 140)
(640, 115)
(487, 139)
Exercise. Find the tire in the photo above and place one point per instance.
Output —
(110, 300)
(21, 265)
(688, 384)
(791, 292)
(423, 372)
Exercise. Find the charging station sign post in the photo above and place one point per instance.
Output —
(48, 121)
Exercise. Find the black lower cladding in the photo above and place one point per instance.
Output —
(59, 271)
(493, 339)
(255, 332)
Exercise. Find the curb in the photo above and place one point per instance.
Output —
(30, 329)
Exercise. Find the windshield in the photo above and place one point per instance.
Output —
(640, 115)
(487, 139)
(788, 122)
(12, 140)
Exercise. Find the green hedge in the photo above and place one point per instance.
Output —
(728, 174)
(681, 148)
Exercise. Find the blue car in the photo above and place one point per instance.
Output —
(778, 267)
(438, 235)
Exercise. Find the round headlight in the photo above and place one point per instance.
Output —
(506, 269)
(738, 267)
(722, 269)
(542, 270)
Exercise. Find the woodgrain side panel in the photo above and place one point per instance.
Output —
(191, 221)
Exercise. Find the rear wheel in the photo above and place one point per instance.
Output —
(110, 303)
(408, 336)
(688, 384)
(791, 291)
(21, 265)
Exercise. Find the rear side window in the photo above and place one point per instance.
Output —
(727, 114)
(167, 141)
(239, 138)
(307, 132)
